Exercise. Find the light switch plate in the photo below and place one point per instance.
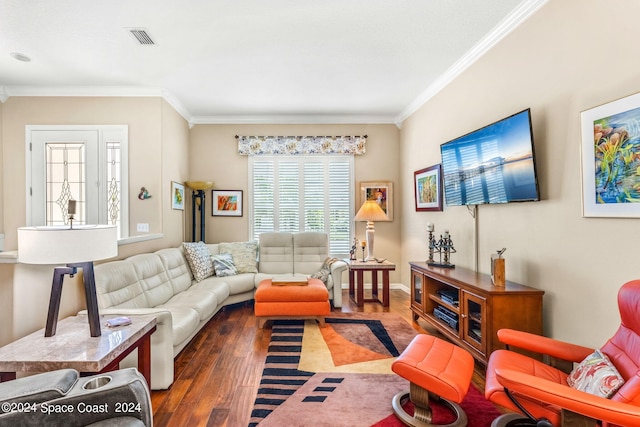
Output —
(143, 227)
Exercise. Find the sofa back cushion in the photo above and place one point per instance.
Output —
(243, 254)
(153, 278)
(117, 285)
(310, 249)
(176, 267)
(275, 253)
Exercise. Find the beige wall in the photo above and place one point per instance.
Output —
(563, 60)
(158, 144)
(214, 156)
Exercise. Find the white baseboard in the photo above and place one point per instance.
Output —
(400, 286)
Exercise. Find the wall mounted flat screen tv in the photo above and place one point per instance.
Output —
(494, 164)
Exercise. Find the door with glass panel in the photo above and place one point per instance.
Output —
(84, 165)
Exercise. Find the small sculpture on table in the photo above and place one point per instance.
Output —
(443, 247)
(352, 252)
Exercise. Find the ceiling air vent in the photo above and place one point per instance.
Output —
(142, 36)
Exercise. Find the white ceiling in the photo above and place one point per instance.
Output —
(253, 61)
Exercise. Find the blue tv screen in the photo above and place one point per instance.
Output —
(494, 164)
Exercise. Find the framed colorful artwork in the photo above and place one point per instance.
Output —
(381, 192)
(177, 196)
(428, 188)
(611, 159)
(226, 202)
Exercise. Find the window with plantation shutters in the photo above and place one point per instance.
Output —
(303, 193)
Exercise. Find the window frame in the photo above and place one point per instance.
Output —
(302, 159)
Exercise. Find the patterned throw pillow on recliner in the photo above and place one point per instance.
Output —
(596, 375)
(199, 259)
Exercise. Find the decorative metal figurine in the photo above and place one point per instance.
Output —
(432, 243)
(352, 252)
(443, 247)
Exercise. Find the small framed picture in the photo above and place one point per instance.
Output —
(226, 202)
(610, 163)
(381, 192)
(428, 188)
(177, 196)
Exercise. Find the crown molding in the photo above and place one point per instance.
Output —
(294, 119)
(131, 91)
(508, 24)
(108, 91)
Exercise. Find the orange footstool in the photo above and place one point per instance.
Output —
(435, 368)
(292, 301)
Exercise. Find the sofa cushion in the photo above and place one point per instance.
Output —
(153, 278)
(276, 253)
(202, 301)
(184, 321)
(117, 285)
(175, 264)
(223, 265)
(225, 286)
(199, 259)
(244, 254)
(310, 249)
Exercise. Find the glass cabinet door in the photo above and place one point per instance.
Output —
(417, 289)
(473, 327)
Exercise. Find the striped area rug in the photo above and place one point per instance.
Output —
(316, 376)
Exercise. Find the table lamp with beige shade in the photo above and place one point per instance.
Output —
(370, 211)
(77, 247)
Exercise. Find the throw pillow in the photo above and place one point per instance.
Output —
(223, 264)
(596, 375)
(199, 260)
(325, 270)
(244, 254)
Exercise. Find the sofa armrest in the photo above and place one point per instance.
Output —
(162, 369)
(336, 277)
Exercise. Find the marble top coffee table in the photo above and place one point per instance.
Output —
(73, 347)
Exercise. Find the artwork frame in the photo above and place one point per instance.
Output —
(177, 196)
(381, 191)
(427, 184)
(226, 203)
(609, 159)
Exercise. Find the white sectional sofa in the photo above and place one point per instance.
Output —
(162, 283)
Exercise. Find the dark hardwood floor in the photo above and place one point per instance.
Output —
(217, 374)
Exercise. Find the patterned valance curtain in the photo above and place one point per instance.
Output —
(298, 145)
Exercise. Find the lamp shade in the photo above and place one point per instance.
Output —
(199, 185)
(64, 245)
(371, 211)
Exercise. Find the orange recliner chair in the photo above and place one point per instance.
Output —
(541, 393)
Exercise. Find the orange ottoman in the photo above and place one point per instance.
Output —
(292, 301)
(433, 367)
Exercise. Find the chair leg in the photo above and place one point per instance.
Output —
(422, 410)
